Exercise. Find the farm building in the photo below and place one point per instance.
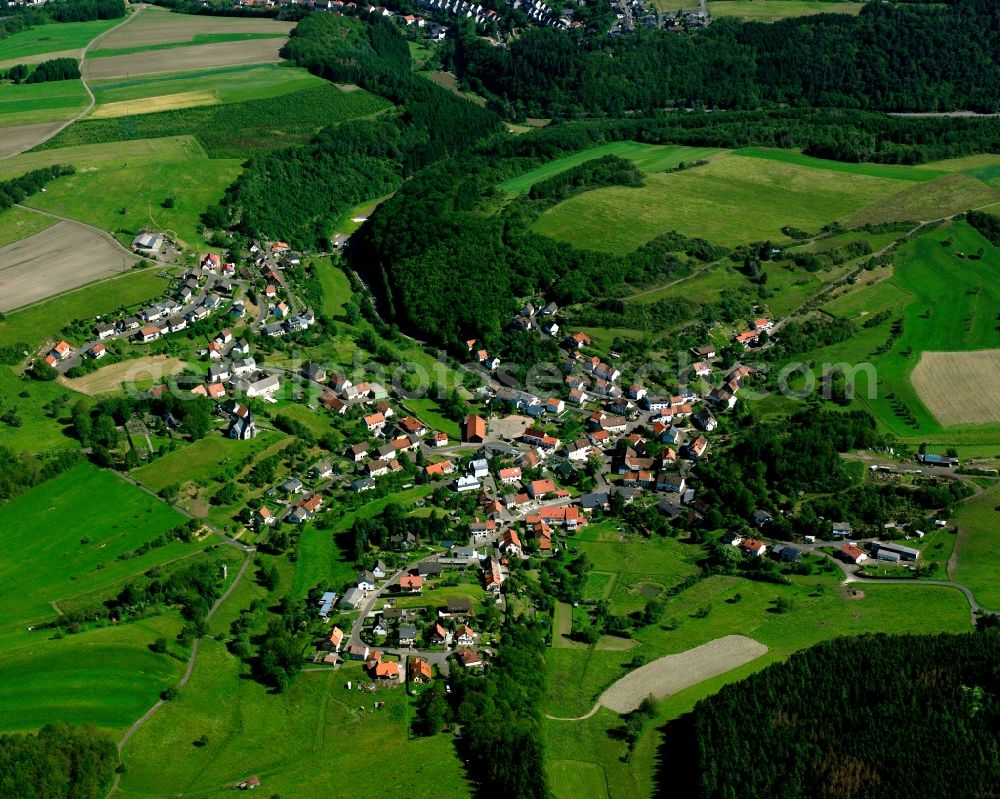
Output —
(147, 242)
(901, 552)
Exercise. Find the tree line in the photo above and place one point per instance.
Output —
(54, 69)
(17, 190)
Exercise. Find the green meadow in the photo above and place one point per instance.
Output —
(731, 200)
(296, 742)
(200, 461)
(772, 10)
(979, 548)
(34, 103)
(649, 158)
(226, 84)
(61, 545)
(749, 195)
(578, 752)
(947, 304)
(54, 38)
(34, 403)
(17, 224)
(122, 194)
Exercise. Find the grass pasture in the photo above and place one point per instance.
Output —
(60, 544)
(979, 547)
(749, 195)
(952, 308)
(650, 158)
(35, 103)
(199, 461)
(571, 779)
(150, 93)
(55, 38)
(773, 10)
(17, 224)
(282, 737)
(122, 189)
(732, 200)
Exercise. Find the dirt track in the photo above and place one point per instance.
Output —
(673, 673)
(59, 258)
(960, 387)
(224, 54)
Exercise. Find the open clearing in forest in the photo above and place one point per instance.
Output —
(223, 54)
(960, 387)
(152, 368)
(55, 260)
(771, 10)
(672, 673)
(749, 195)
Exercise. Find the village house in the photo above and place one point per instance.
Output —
(849, 553)
(753, 547)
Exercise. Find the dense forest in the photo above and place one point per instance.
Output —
(58, 762)
(297, 194)
(881, 717)
(892, 57)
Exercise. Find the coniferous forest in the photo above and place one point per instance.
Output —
(881, 716)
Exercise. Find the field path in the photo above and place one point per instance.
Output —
(45, 135)
(673, 673)
(187, 672)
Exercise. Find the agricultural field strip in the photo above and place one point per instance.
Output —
(959, 387)
(62, 257)
(254, 51)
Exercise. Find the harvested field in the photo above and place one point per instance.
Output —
(60, 258)
(673, 673)
(151, 369)
(157, 26)
(23, 137)
(224, 54)
(960, 387)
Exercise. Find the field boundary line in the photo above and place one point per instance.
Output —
(86, 86)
